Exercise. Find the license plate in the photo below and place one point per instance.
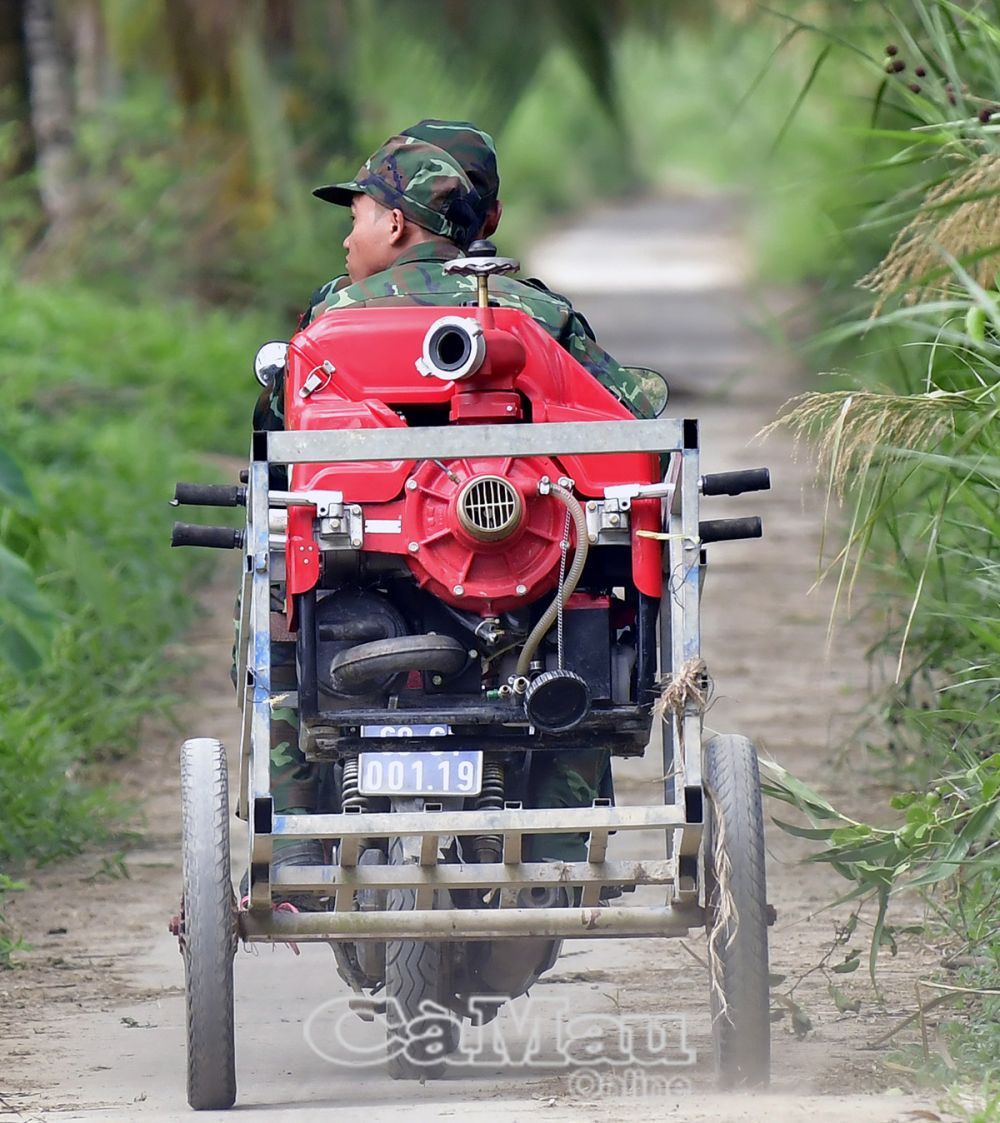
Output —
(455, 772)
(405, 730)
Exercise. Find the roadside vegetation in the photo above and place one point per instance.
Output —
(106, 408)
(905, 435)
(105, 405)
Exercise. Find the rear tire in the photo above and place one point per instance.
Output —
(416, 973)
(209, 926)
(736, 915)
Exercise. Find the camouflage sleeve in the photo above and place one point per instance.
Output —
(269, 415)
(319, 298)
(269, 410)
(535, 283)
(625, 386)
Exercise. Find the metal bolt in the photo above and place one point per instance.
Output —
(521, 590)
(473, 653)
(356, 543)
(591, 506)
(411, 485)
(510, 409)
(591, 538)
(614, 520)
(437, 680)
(459, 590)
(413, 547)
(355, 509)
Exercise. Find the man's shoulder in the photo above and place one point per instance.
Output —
(563, 302)
(425, 281)
(319, 297)
(540, 303)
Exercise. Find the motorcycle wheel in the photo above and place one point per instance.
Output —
(418, 1038)
(736, 915)
(208, 940)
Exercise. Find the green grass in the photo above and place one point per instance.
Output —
(106, 405)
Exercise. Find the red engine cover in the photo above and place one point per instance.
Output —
(459, 565)
(353, 368)
(372, 352)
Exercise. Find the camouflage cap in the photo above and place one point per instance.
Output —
(471, 147)
(423, 181)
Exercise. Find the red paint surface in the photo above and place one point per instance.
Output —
(375, 381)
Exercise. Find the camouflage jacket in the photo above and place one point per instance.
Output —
(418, 277)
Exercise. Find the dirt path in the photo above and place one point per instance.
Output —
(92, 1024)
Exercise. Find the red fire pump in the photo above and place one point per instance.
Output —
(481, 533)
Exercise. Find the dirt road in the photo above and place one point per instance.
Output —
(92, 1023)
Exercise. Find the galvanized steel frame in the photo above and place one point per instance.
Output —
(307, 446)
(680, 818)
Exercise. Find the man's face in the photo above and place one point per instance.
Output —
(371, 245)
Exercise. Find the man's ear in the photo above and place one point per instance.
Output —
(397, 226)
(492, 219)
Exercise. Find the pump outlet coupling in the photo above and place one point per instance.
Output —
(454, 348)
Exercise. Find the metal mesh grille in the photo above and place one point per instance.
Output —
(490, 507)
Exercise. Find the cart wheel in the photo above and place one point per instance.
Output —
(736, 917)
(416, 972)
(209, 926)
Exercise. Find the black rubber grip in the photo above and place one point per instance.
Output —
(218, 537)
(736, 483)
(209, 495)
(728, 530)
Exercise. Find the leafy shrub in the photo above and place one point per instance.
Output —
(109, 404)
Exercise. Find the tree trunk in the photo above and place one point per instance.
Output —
(51, 117)
(90, 53)
(14, 89)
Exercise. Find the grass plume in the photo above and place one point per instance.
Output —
(959, 218)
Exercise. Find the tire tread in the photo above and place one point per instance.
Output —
(413, 971)
(209, 926)
(742, 1028)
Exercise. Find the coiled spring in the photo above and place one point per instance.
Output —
(351, 798)
(488, 847)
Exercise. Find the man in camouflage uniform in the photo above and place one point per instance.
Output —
(475, 152)
(414, 208)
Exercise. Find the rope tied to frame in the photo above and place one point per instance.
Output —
(281, 906)
(691, 686)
